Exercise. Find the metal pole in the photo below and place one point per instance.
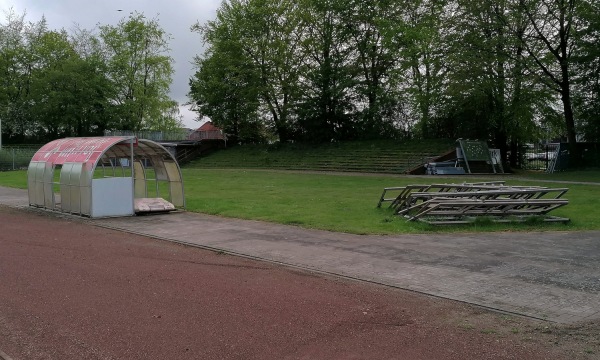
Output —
(13, 153)
(132, 173)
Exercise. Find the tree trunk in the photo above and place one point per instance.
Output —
(567, 106)
(574, 158)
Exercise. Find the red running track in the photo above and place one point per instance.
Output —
(69, 290)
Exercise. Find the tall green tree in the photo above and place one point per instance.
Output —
(372, 25)
(327, 105)
(271, 32)
(424, 58)
(71, 94)
(489, 93)
(550, 41)
(529, 111)
(483, 27)
(587, 65)
(96, 89)
(18, 62)
(141, 73)
(269, 35)
(49, 91)
(226, 86)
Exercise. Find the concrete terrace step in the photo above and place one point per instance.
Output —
(382, 157)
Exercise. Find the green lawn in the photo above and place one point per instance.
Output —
(576, 175)
(14, 179)
(344, 203)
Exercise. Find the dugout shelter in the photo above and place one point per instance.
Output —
(104, 177)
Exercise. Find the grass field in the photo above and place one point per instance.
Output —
(347, 202)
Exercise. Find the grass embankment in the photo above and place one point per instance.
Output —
(379, 156)
(346, 203)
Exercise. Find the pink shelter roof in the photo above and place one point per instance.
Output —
(81, 150)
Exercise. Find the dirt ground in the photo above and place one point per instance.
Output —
(69, 290)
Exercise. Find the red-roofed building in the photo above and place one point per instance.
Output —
(207, 132)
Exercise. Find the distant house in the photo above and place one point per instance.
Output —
(207, 132)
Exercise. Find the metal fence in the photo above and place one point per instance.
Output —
(17, 157)
(150, 135)
(540, 157)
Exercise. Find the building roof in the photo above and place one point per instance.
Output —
(207, 132)
(208, 126)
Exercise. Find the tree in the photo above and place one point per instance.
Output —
(17, 65)
(485, 60)
(265, 37)
(226, 86)
(227, 95)
(326, 110)
(489, 92)
(71, 94)
(587, 65)
(550, 41)
(424, 55)
(96, 90)
(140, 72)
(271, 32)
(49, 91)
(377, 40)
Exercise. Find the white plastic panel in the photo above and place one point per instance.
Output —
(112, 197)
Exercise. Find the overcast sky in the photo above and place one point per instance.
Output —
(175, 17)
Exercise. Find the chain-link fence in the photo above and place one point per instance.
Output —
(16, 157)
